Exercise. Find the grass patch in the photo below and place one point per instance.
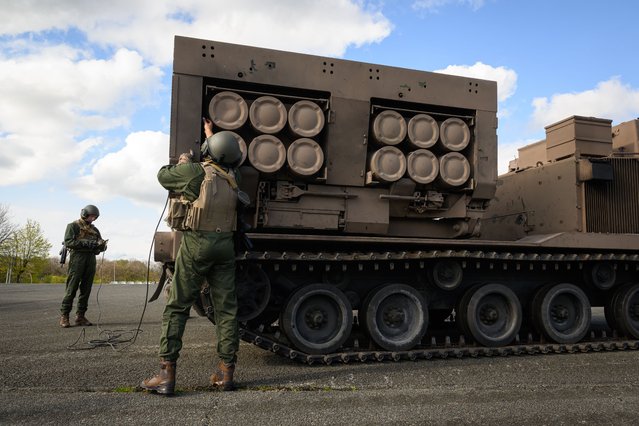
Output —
(127, 389)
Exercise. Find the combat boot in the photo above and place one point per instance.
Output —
(81, 320)
(223, 377)
(164, 382)
(64, 321)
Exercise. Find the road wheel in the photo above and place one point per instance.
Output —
(601, 275)
(626, 310)
(317, 319)
(253, 291)
(561, 313)
(395, 317)
(447, 274)
(491, 314)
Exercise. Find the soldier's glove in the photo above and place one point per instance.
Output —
(85, 244)
(186, 157)
(102, 244)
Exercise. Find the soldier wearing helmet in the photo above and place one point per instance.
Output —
(206, 252)
(84, 241)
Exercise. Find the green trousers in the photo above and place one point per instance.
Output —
(80, 276)
(210, 256)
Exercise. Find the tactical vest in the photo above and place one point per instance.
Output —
(215, 207)
(87, 231)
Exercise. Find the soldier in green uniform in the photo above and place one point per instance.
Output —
(209, 189)
(84, 241)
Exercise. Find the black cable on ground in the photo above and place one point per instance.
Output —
(114, 338)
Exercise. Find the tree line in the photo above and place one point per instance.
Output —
(24, 258)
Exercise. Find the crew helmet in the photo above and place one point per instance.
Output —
(89, 210)
(223, 148)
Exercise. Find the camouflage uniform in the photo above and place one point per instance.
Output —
(82, 239)
(202, 255)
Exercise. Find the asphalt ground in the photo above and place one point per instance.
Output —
(42, 381)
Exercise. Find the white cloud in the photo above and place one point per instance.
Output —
(130, 172)
(57, 97)
(506, 78)
(326, 28)
(435, 5)
(75, 75)
(129, 233)
(611, 99)
(62, 95)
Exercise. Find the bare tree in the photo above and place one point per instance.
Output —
(6, 227)
(7, 231)
(28, 246)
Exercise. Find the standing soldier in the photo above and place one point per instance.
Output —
(85, 242)
(209, 192)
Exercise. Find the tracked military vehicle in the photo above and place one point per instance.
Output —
(380, 228)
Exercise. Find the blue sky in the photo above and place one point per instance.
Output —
(85, 86)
